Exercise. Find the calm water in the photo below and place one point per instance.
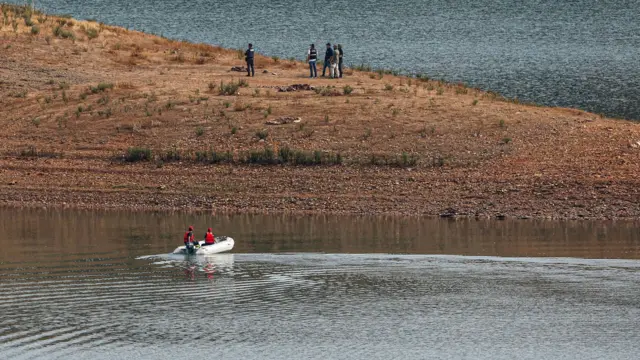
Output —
(579, 53)
(78, 285)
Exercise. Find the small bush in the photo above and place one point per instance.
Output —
(475, 102)
(501, 123)
(137, 154)
(35, 30)
(506, 140)
(199, 131)
(228, 89)
(388, 87)
(262, 134)
(347, 89)
(212, 86)
(58, 31)
(91, 33)
(263, 157)
(171, 155)
(101, 87)
(213, 157)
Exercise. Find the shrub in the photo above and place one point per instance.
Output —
(212, 86)
(388, 87)
(199, 131)
(101, 87)
(262, 134)
(136, 154)
(171, 155)
(506, 140)
(228, 89)
(58, 31)
(475, 102)
(35, 30)
(213, 157)
(263, 157)
(91, 33)
(347, 89)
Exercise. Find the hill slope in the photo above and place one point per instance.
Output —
(78, 97)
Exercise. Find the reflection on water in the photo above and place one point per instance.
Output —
(103, 285)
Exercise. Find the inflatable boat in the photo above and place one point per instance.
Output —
(222, 244)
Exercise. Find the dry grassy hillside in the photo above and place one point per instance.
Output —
(99, 116)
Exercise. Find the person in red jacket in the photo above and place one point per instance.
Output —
(188, 236)
(209, 239)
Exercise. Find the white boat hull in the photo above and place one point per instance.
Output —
(222, 244)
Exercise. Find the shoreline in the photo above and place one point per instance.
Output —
(79, 98)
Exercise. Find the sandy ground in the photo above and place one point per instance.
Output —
(62, 143)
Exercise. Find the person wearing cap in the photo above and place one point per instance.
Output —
(248, 56)
(312, 57)
(188, 236)
(328, 55)
(209, 239)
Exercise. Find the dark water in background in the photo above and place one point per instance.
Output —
(577, 53)
(100, 285)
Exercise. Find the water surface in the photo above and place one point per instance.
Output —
(101, 285)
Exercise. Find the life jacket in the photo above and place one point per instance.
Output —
(249, 54)
(313, 54)
(209, 239)
(188, 236)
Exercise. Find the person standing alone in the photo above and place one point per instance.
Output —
(328, 55)
(340, 59)
(248, 56)
(312, 57)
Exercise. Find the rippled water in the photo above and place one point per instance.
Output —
(579, 53)
(101, 285)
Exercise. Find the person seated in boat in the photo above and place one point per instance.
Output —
(209, 239)
(188, 237)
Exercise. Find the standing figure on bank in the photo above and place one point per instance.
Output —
(248, 56)
(340, 59)
(328, 55)
(334, 62)
(312, 57)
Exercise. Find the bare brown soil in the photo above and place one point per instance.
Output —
(477, 154)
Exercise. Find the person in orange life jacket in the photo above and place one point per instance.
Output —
(188, 237)
(209, 239)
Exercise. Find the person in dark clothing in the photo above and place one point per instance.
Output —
(312, 57)
(340, 59)
(327, 59)
(248, 56)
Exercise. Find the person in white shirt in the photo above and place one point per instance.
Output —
(334, 62)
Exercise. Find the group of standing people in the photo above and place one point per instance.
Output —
(332, 60)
